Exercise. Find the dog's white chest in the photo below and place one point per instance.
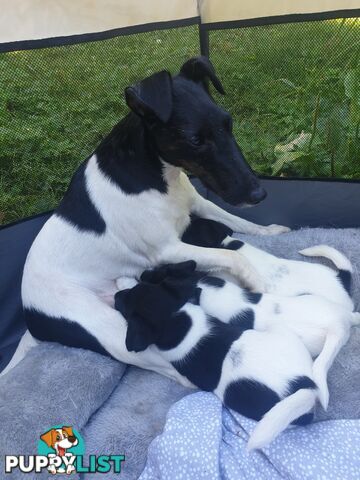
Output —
(138, 227)
(179, 200)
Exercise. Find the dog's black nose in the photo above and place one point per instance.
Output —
(71, 439)
(257, 196)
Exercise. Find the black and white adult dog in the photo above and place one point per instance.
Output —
(127, 207)
(251, 351)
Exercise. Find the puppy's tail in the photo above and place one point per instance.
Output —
(26, 343)
(294, 407)
(341, 262)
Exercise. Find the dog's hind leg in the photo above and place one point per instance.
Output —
(77, 317)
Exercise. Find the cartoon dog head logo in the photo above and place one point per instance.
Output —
(60, 440)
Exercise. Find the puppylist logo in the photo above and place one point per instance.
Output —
(61, 450)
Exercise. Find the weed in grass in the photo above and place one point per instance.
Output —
(295, 81)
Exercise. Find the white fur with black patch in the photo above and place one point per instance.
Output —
(321, 325)
(294, 277)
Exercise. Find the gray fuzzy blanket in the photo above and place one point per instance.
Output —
(120, 409)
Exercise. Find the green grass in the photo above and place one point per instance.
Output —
(57, 104)
(290, 81)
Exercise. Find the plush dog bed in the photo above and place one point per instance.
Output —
(120, 409)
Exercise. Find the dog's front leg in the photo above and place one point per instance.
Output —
(206, 209)
(215, 259)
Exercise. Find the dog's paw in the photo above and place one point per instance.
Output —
(247, 275)
(274, 230)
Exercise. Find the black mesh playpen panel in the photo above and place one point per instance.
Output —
(57, 103)
(294, 92)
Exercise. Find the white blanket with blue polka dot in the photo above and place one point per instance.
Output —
(202, 440)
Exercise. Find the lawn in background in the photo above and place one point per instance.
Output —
(57, 104)
(293, 91)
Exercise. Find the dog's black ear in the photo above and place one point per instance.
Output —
(139, 335)
(152, 97)
(200, 69)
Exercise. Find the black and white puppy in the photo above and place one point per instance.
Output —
(321, 313)
(322, 326)
(282, 276)
(264, 375)
(128, 205)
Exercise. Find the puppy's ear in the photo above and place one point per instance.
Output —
(48, 438)
(195, 298)
(152, 97)
(154, 276)
(175, 270)
(181, 270)
(200, 69)
(139, 335)
(121, 304)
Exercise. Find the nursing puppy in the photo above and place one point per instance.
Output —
(281, 276)
(321, 325)
(254, 372)
(320, 314)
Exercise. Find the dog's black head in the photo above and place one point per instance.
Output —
(191, 131)
(149, 306)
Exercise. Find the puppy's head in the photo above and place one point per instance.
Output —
(150, 306)
(171, 273)
(191, 131)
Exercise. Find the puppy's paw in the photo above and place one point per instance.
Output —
(274, 230)
(324, 397)
(321, 382)
(258, 440)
